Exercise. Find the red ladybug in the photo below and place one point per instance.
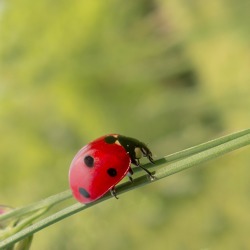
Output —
(101, 164)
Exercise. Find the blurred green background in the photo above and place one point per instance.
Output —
(170, 73)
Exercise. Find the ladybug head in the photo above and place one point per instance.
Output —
(135, 148)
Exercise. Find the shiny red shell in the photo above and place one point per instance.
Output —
(96, 169)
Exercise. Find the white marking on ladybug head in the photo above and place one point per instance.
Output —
(138, 153)
(117, 142)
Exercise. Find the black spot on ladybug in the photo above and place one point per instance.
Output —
(112, 172)
(84, 192)
(89, 161)
(110, 139)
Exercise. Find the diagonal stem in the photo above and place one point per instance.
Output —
(188, 158)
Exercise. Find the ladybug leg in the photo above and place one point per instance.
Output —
(150, 159)
(129, 174)
(113, 192)
(148, 172)
(137, 163)
(148, 154)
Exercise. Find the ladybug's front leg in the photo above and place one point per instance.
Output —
(113, 192)
(137, 163)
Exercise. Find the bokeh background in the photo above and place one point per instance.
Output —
(170, 73)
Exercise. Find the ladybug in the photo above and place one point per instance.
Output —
(104, 162)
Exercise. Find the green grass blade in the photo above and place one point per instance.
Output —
(188, 158)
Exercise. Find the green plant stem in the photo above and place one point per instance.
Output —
(55, 199)
(23, 223)
(188, 158)
(196, 149)
(43, 204)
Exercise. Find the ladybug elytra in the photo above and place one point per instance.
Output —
(104, 162)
